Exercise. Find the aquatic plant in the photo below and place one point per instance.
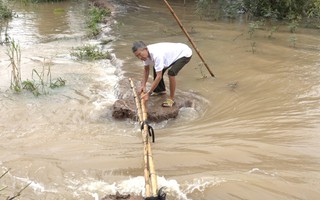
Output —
(5, 12)
(89, 52)
(203, 75)
(294, 23)
(253, 27)
(59, 11)
(14, 53)
(272, 30)
(293, 40)
(42, 81)
(5, 15)
(96, 16)
(253, 46)
(31, 86)
(106, 41)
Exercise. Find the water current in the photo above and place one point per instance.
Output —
(256, 136)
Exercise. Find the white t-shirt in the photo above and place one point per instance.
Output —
(163, 54)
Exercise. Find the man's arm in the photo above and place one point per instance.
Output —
(153, 86)
(145, 77)
(156, 82)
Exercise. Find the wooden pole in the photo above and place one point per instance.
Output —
(144, 140)
(152, 171)
(188, 36)
(136, 100)
(148, 187)
(150, 176)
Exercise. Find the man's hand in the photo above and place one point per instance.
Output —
(142, 89)
(145, 96)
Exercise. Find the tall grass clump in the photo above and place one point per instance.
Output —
(96, 16)
(5, 12)
(5, 15)
(89, 52)
(14, 53)
(41, 81)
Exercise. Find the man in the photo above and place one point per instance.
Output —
(163, 56)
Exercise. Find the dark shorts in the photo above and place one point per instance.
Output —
(178, 65)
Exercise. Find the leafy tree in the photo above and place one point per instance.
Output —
(277, 9)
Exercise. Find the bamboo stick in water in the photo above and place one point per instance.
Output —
(144, 134)
(153, 175)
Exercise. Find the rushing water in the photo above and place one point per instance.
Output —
(257, 135)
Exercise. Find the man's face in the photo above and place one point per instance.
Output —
(142, 54)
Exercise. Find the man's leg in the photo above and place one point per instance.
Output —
(172, 82)
(161, 86)
(173, 71)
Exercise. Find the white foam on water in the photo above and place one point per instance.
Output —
(201, 184)
(38, 187)
(259, 171)
(136, 186)
(108, 81)
(187, 114)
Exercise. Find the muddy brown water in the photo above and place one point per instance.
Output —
(255, 136)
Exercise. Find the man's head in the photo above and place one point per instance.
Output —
(140, 50)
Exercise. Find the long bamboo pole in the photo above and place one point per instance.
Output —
(144, 140)
(151, 183)
(148, 187)
(138, 105)
(188, 36)
(152, 171)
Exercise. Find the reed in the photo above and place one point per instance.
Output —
(14, 53)
(42, 81)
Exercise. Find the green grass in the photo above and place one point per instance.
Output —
(42, 81)
(5, 12)
(89, 52)
(96, 16)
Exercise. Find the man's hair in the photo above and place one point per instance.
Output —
(138, 45)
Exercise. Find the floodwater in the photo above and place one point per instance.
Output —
(256, 134)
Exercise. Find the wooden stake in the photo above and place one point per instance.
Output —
(188, 36)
